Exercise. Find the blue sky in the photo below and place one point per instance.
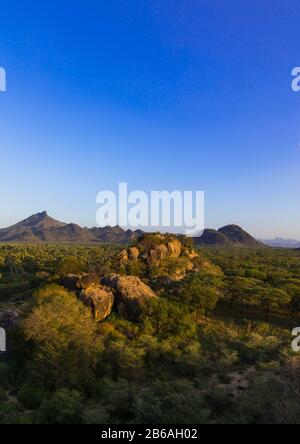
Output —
(188, 95)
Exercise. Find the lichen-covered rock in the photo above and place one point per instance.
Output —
(134, 253)
(123, 256)
(152, 258)
(161, 251)
(156, 256)
(174, 248)
(100, 299)
(131, 294)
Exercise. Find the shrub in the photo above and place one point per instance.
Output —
(31, 397)
(64, 407)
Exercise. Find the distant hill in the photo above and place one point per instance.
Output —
(238, 236)
(281, 243)
(42, 228)
(212, 238)
(228, 236)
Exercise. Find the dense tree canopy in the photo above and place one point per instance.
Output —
(212, 347)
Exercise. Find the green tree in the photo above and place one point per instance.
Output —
(200, 296)
(63, 407)
(239, 290)
(163, 319)
(64, 340)
(272, 299)
(294, 305)
(70, 264)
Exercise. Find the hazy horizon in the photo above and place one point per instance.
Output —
(161, 95)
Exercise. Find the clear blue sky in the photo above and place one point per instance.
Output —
(163, 94)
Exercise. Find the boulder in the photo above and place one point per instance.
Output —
(156, 256)
(131, 294)
(134, 253)
(152, 258)
(100, 299)
(161, 251)
(123, 256)
(174, 248)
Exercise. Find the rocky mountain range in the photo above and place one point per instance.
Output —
(42, 228)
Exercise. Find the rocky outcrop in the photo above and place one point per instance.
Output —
(100, 299)
(89, 291)
(173, 257)
(126, 293)
(132, 254)
(131, 294)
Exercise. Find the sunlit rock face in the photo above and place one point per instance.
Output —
(131, 294)
(100, 299)
(174, 248)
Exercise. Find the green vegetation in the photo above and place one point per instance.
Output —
(214, 347)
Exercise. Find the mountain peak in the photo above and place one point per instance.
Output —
(37, 217)
(41, 219)
(231, 227)
(238, 236)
